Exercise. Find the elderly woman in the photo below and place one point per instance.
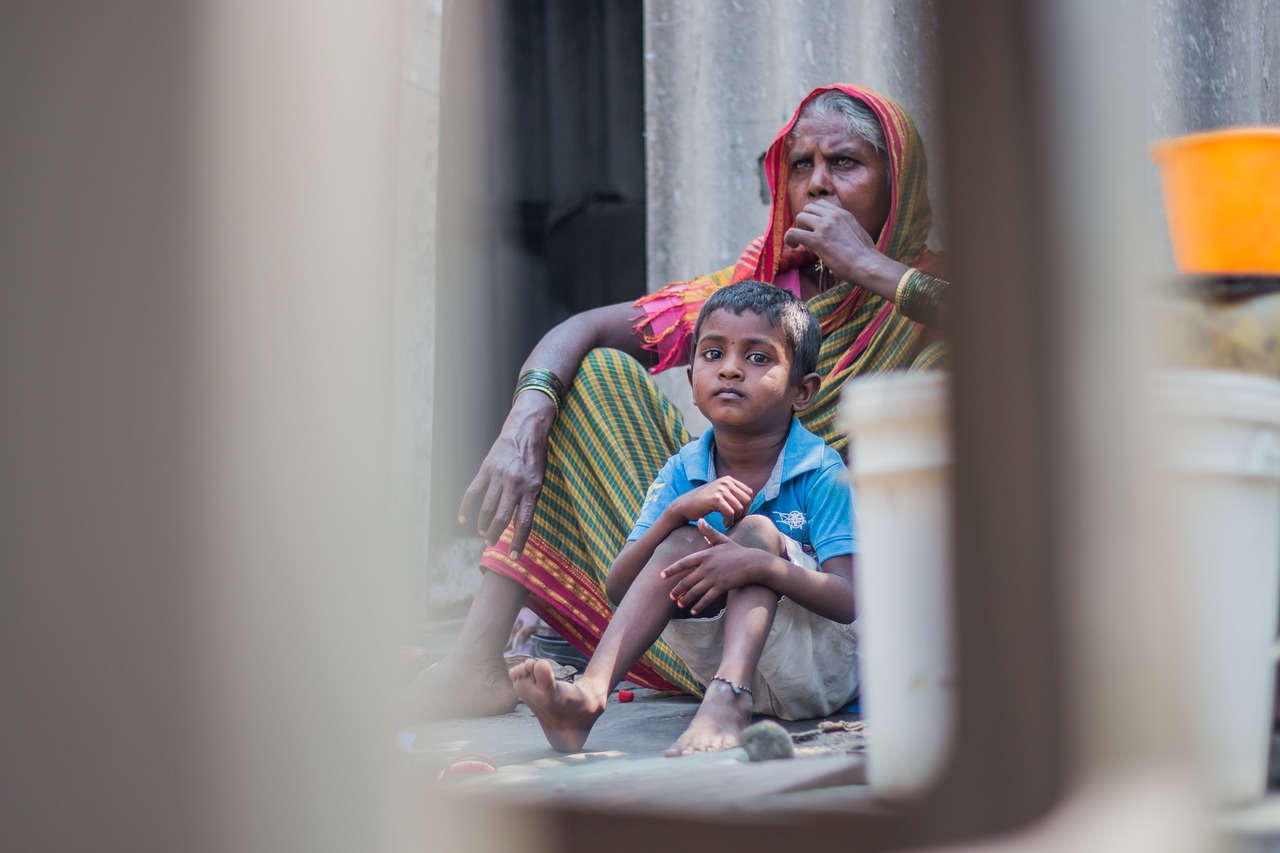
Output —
(588, 430)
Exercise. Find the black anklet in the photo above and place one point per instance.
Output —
(738, 689)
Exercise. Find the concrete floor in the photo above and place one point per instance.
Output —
(623, 761)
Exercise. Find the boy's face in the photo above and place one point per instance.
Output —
(741, 372)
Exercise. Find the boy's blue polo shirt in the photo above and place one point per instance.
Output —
(807, 496)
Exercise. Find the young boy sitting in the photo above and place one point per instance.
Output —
(757, 598)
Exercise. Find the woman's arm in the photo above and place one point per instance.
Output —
(507, 486)
(847, 250)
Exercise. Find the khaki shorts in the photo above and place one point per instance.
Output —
(809, 665)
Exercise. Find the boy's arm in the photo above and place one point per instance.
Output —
(726, 565)
(832, 532)
(828, 593)
(727, 496)
(636, 554)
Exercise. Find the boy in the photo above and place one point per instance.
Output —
(763, 492)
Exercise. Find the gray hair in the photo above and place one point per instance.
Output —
(859, 120)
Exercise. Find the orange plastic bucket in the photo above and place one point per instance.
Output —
(1222, 199)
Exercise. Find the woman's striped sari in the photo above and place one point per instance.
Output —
(616, 429)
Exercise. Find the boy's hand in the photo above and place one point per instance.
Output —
(727, 496)
(709, 575)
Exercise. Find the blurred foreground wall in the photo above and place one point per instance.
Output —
(196, 231)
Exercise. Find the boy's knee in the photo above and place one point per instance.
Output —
(757, 531)
(682, 542)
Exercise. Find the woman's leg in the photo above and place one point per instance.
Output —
(567, 711)
(472, 679)
(614, 432)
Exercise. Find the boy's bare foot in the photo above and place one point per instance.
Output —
(566, 711)
(456, 687)
(720, 720)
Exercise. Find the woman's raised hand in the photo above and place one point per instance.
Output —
(835, 236)
(844, 246)
(510, 478)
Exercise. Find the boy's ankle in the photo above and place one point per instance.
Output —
(724, 690)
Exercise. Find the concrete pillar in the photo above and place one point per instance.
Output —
(414, 304)
(1215, 64)
(473, 304)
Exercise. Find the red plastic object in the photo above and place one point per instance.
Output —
(469, 763)
(625, 695)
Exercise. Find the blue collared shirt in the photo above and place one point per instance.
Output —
(808, 497)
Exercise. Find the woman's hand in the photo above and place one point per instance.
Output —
(510, 478)
(727, 496)
(709, 575)
(844, 246)
(834, 235)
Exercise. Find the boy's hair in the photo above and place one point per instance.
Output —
(781, 309)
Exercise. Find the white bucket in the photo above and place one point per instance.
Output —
(1224, 449)
(900, 457)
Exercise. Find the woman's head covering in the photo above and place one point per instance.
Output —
(910, 217)
(667, 318)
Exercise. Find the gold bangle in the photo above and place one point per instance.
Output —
(899, 294)
(531, 387)
(924, 300)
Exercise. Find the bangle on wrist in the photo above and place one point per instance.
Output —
(542, 390)
(543, 381)
(922, 298)
(899, 293)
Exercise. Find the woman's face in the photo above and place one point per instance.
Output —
(825, 161)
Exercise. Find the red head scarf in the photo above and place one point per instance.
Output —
(910, 217)
(673, 310)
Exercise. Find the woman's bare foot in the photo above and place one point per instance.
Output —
(565, 710)
(458, 687)
(720, 719)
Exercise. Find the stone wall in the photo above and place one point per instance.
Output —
(414, 298)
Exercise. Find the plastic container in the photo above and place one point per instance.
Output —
(1230, 323)
(1223, 433)
(900, 460)
(1222, 199)
(558, 650)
